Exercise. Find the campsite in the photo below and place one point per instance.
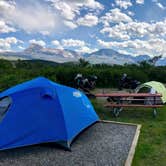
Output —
(151, 144)
(82, 82)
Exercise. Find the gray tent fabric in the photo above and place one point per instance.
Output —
(4, 105)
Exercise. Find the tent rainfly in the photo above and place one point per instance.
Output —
(40, 111)
(157, 86)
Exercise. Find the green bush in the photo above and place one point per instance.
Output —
(12, 73)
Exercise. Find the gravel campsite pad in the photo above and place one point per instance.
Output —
(102, 144)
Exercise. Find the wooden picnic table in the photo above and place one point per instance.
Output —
(122, 100)
(128, 95)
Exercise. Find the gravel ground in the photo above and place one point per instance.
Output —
(103, 144)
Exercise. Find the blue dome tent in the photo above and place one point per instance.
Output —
(40, 111)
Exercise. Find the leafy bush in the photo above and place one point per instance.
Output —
(14, 72)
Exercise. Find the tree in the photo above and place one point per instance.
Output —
(83, 63)
(153, 60)
(145, 64)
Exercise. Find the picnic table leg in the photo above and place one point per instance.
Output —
(154, 112)
(154, 109)
(116, 111)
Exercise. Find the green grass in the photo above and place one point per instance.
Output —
(151, 147)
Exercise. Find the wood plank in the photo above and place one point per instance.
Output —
(121, 123)
(128, 95)
(133, 147)
(128, 99)
(133, 105)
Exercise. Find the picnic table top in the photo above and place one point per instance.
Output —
(128, 95)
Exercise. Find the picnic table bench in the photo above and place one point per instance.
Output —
(135, 100)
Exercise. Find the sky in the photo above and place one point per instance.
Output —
(135, 27)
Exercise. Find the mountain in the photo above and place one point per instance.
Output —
(110, 56)
(103, 52)
(107, 56)
(35, 51)
(57, 55)
(14, 55)
(140, 58)
(161, 62)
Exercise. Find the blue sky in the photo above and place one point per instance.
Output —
(128, 26)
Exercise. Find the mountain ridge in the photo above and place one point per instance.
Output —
(107, 56)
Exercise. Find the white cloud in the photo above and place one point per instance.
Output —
(93, 4)
(6, 5)
(47, 16)
(70, 24)
(79, 45)
(32, 17)
(69, 9)
(155, 46)
(65, 9)
(57, 44)
(123, 3)
(130, 13)
(115, 33)
(72, 43)
(4, 28)
(39, 42)
(104, 43)
(86, 49)
(45, 33)
(160, 6)
(115, 16)
(125, 31)
(6, 43)
(21, 47)
(140, 1)
(88, 20)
